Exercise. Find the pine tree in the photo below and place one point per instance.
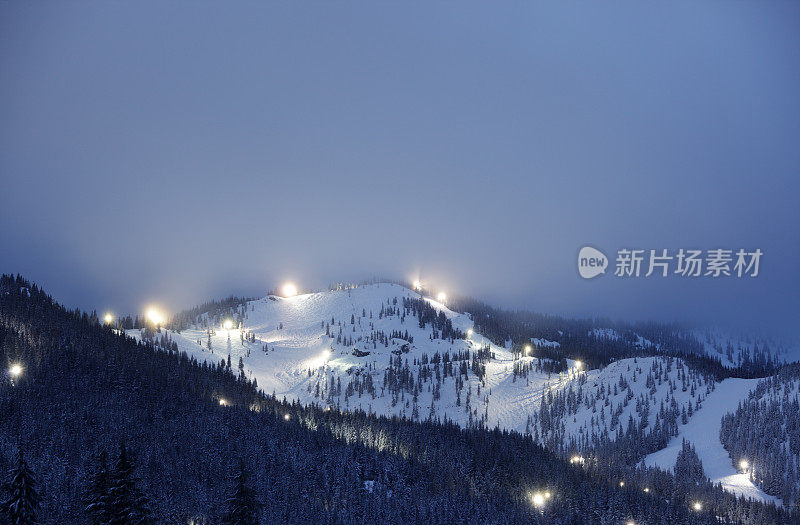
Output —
(97, 494)
(688, 467)
(242, 505)
(23, 502)
(127, 504)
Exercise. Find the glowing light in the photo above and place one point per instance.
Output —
(576, 459)
(223, 402)
(528, 349)
(744, 464)
(417, 285)
(442, 297)
(15, 370)
(289, 290)
(547, 495)
(228, 324)
(579, 364)
(621, 483)
(155, 316)
(697, 506)
(287, 417)
(538, 499)
(647, 489)
(631, 522)
(469, 332)
(108, 318)
(326, 354)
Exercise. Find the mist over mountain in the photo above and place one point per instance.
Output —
(194, 158)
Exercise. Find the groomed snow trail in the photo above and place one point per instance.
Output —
(703, 432)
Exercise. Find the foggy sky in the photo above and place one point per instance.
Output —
(170, 154)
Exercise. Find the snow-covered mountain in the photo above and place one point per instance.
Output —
(387, 349)
(366, 348)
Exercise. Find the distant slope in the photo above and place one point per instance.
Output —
(732, 349)
(703, 432)
(765, 429)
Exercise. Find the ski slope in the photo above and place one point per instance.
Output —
(301, 356)
(703, 431)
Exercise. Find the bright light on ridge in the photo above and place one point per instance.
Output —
(155, 316)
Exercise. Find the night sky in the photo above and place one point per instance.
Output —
(181, 152)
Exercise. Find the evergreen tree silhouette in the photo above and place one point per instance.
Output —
(23, 502)
(242, 507)
(97, 494)
(127, 504)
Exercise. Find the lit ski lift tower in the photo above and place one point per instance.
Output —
(417, 285)
(528, 349)
(227, 324)
(108, 318)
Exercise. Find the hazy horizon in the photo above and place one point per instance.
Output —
(172, 154)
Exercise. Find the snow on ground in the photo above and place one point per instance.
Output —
(544, 343)
(300, 355)
(703, 431)
(302, 360)
(304, 363)
(607, 398)
(607, 333)
(613, 335)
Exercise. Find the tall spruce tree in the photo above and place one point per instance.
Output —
(242, 507)
(127, 504)
(97, 494)
(23, 502)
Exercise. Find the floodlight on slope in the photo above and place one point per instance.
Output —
(289, 290)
